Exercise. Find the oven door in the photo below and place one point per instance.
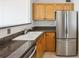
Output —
(33, 52)
(30, 53)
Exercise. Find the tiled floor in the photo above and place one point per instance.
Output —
(49, 55)
(53, 55)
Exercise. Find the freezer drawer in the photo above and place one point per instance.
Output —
(60, 47)
(66, 47)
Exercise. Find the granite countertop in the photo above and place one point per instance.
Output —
(32, 35)
(19, 45)
(7, 48)
(22, 49)
(44, 29)
(15, 48)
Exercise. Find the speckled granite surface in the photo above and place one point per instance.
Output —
(7, 48)
(45, 29)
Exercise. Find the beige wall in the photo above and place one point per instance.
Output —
(76, 4)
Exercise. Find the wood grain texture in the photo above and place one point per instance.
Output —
(38, 11)
(46, 11)
(50, 41)
(46, 42)
(40, 47)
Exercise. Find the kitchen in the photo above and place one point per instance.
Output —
(32, 32)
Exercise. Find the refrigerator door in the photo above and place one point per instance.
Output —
(71, 24)
(61, 24)
(66, 33)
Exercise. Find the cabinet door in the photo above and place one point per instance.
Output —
(40, 47)
(50, 41)
(50, 12)
(38, 11)
(35, 14)
(68, 7)
(38, 50)
(59, 7)
(43, 43)
(41, 12)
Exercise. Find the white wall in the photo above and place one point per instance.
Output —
(14, 12)
(76, 4)
(1, 10)
(49, 1)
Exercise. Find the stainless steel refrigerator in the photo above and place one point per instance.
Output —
(66, 33)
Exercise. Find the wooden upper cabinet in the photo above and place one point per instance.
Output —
(42, 11)
(50, 12)
(59, 7)
(46, 11)
(68, 7)
(38, 11)
(35, 10)
(64, 7)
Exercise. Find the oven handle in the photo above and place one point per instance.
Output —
(33, 52)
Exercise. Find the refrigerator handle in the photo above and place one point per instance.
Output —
(68, 15)
(67, 23)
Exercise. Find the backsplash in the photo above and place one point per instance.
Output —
(10, 37)
(12, 30)
(44, 23)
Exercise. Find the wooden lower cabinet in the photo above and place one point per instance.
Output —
(40, 46)
(46, 42)
(39, 50)
(50, 41)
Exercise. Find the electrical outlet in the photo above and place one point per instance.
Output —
(8, 31)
